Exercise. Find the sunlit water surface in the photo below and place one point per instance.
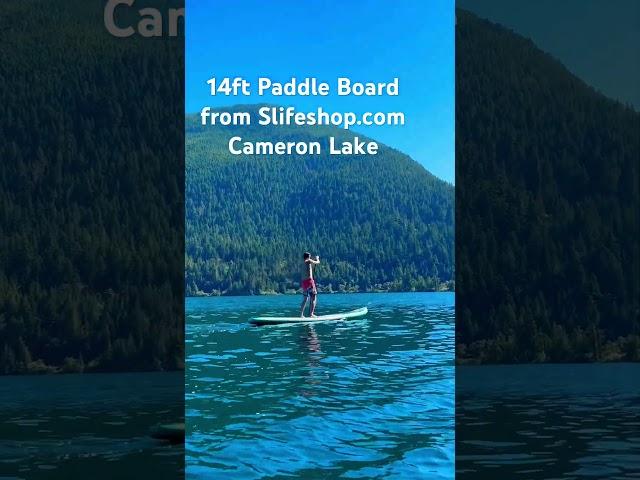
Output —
(363, 398)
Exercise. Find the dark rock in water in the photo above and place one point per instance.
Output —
(170, 432)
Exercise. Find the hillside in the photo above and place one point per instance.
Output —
(377, 222)
(547, 202)
(91, 215)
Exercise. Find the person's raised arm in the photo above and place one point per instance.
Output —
(316, 261)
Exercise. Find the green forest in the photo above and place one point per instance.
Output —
(547, 203)
(379, 223)
(93, 261)
(91, 194)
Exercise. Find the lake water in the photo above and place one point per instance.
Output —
(364, 398)
(548, 421)
(89, 426)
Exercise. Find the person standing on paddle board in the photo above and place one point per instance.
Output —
(308, 284)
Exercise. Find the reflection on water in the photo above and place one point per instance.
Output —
(367, 398)
(548, 421)
(89, 426)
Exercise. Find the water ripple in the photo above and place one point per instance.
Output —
(556, 421)
(369, 398)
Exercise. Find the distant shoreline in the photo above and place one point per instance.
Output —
(292, 293)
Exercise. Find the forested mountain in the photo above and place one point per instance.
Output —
(377, 222)
(547, 200)
(91, 192)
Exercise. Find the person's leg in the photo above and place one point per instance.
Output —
(314, 299)
(304, 304)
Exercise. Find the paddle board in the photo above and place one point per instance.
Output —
(321, 318)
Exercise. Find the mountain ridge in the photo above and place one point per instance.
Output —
(547, 196)
(193, 125)
(313, 207)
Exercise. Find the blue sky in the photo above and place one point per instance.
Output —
(368, 40)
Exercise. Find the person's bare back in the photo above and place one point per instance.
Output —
(307, 269)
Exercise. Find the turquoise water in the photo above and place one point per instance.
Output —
(364, 398)
(89, 426)
(539, 422)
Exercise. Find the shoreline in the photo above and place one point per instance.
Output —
(292, 293)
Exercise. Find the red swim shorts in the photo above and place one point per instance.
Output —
(308, 287)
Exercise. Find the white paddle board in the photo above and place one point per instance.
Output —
(321, 318)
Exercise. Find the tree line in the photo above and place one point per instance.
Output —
(91, 215)
(379, 223)
(546, 207)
